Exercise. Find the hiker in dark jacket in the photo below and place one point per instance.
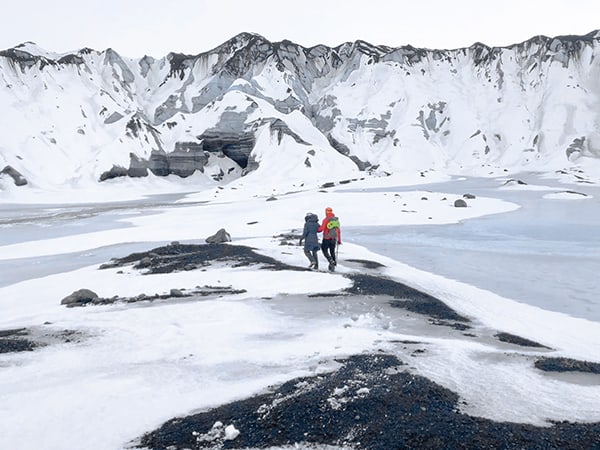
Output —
(311, 241)
(332, 237)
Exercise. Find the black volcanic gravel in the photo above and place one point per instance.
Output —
(370, 403)
(408, 298)
(178, 257)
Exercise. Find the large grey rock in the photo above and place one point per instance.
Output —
(460, 203)
(114, 172)
(137, 166)
(79, 298)
(159, 164)
(219, 237)
(236, 146)
(186, 158)
(18, 179)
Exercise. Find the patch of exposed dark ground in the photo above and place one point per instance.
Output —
(29, 339)
(518, 340)
(368, 264)
(16, 341)
(553, 364)
(179, 257)
(369, 403)
(408, 298)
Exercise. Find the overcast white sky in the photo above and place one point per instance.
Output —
(157, 27)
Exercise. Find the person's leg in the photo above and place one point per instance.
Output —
(310, 257)
(315, 254)
(328, 252)
(324, 248)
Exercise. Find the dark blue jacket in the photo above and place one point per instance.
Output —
(309, 234)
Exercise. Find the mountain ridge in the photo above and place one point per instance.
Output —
(590, 36)
(87, 115)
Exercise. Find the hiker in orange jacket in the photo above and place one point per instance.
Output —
(331, 237)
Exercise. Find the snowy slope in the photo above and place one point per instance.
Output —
(300, 114)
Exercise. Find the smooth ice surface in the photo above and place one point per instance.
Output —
(546, 253)
(135, 366)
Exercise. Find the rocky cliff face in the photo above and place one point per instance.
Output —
(335, 111)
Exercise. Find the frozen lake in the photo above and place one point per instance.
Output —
(547, 253)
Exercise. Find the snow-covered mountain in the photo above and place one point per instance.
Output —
(254, 107)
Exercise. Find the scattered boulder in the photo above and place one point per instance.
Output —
(176, 293)
(114, 172)
(272, 198)
(137, 166)
(18, 179)
(460, 203)
(513, 181)
(469, 196)
(219, 237)
(79, 298)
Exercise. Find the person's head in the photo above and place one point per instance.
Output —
(311, 217)
(328, 211)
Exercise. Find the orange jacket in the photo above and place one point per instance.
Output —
(323, 228)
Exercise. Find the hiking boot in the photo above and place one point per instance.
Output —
(331, 266)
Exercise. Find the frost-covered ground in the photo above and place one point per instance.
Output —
(111, 373)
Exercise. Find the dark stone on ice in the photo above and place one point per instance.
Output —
(460, 203)
(219, 237)
(79, 298)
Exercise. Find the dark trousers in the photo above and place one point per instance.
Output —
(312, 256)
(328, 247)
